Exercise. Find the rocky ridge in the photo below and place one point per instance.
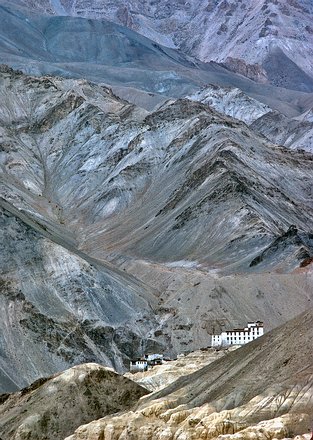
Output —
(294, 133)
(232, 102)
(212, 156)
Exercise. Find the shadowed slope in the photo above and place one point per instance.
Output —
(264, 40)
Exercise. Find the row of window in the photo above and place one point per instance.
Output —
(239, 338)
(242, 334)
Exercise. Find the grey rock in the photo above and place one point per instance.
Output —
(105, 204)
(109, 53)
(260, 33)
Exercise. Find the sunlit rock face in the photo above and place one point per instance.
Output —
(53, 407)
(266, 40)
(294, 133)
(232, 102)
(262, 390)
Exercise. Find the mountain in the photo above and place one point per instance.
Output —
(76, 157)
(231, 102)
(156, 178)
(262, 390)
(294, 133)
(104, 52)
(125, 231)
(268, 40)
(54, 407)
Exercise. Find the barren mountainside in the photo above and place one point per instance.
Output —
(268, 40)
(126, 230)
(156, 187)
(138, 67)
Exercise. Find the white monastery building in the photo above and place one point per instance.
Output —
(138, 365)
(143, 364)
(239, 336)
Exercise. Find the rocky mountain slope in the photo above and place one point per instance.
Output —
(262, 390)
(268, 40)
(105, 52)
(232, 102)
(165, 200)
(295, 133)
(54, 407)
(219, 160)
(59, 309)
(126, 230)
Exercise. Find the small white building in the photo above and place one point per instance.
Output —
(154, 359)
(138, 365)
(238, 336)
(144, 363)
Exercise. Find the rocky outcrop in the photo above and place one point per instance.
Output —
(232, 102)
(53, 407)
(252, 71)
(294, 133)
